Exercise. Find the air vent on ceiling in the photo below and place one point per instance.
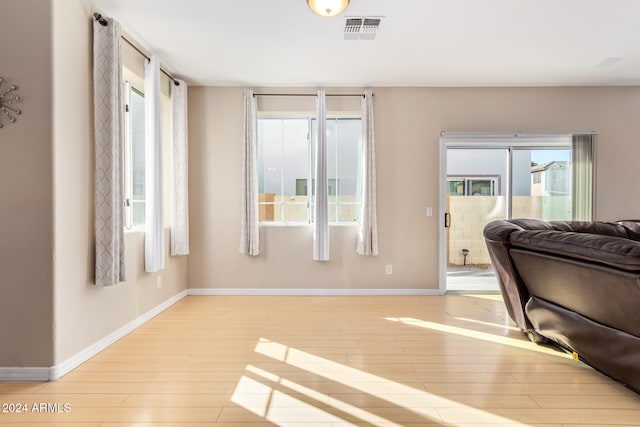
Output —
(362, 28)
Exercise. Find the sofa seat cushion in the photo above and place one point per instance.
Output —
(609, 250)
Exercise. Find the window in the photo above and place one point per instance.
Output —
(134, 157)
(303, 184)
(537, 177)
(286, 151)
(463, 186)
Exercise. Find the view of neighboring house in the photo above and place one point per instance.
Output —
(551, 179)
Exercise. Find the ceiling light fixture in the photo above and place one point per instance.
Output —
(328, 8)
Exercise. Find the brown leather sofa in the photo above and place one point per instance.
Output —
(576, 284)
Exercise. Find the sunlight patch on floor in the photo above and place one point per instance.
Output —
(490, 297)
(280, 400)
(470, 333)
(276, 404)
(493, 325)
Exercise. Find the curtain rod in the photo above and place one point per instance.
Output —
(104, 23)
(496, 135)
(308, 94)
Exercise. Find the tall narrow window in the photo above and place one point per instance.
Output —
(344, 161)
(283, 169)
(134, 158)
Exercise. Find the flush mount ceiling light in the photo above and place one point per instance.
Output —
(328, 8)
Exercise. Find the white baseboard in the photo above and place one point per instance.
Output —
(312, 292)
(55, 372)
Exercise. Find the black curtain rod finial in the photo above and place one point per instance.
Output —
(100, 19)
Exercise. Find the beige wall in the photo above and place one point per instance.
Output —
(408, 125)
(49, 306)
(215, 152)
(26, 206)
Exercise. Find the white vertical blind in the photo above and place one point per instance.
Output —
(109, 141)
(249, 229)
(180, 166)
(321, 208)
(368, 227)
(154, 212)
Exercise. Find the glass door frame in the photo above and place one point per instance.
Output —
(510, 142)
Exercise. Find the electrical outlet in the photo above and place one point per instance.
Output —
(158, 282)
(429, 211)
(388, 269)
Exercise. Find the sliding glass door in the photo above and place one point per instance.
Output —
(489, 178)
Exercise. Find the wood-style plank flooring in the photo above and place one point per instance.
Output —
(328, 361)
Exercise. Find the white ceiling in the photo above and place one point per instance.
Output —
(421, 42)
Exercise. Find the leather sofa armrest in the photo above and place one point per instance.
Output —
(499, 231)
(515, 294)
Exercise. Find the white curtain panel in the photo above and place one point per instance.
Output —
(582, 159)
(321, 208)
(109, 141)
(249, 229)
(368, 227)
(154, 211)
(180, 199)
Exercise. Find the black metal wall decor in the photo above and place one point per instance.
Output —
(9, 101)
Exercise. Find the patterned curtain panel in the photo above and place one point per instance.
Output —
(249, 229)
(368, 227)
(180, 200)
(109, 141)
(321, 207)
(154, 208)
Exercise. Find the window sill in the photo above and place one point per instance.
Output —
(298, 224)
(133, 230)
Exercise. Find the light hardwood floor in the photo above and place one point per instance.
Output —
(328, 361)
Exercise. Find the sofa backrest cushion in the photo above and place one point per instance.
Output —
(619, 252)
(613, 229)
(633, 228)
